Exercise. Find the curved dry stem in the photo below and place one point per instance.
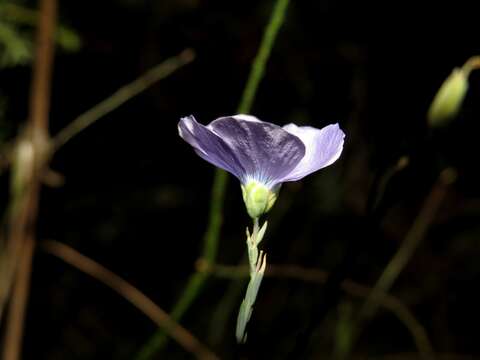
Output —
(131, 294)
(350, 287)
(122, 95)
(25, 193)
(412, 240)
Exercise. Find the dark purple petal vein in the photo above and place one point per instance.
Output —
(266, 151)
(209, 146)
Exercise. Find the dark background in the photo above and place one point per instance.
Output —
(136, 197)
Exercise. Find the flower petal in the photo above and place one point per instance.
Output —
(246, 118)
(209, 146)
(322, 148)
(266, 151)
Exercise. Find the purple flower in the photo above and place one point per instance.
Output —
(262, 155)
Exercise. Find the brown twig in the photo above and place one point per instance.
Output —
(122, 95)
(42, 71)
(16, 315)
(28, 157)
(26, 186)
(352, 288)
(107, 105)
(405, 252)
(412, 240)
(131, 294)
(24, 201)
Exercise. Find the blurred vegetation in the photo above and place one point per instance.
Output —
(17, 27)
(136, 199)
(17, 31)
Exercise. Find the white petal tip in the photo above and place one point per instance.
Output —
(246, 117)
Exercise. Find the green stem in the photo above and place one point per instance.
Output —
(197, 281)
(411, 242)
(258, 65)
(257, 262)
(215, 218)
(122, 95)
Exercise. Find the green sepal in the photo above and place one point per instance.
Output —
(258, 198)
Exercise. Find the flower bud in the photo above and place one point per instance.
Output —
(258, 198)
(449, 98)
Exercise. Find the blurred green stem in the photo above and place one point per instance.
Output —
(197, 280)
(401, 258)
(122, 95)
(409, 245)
(258, 65)
(354, 289)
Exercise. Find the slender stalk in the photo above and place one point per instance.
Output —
(25, 193)
(258, 262)
(122, 95)
(409, 245)
(131, 294)
(258, 66)
(24, 203)
(215, 217)
(43, 66)
(118, 98)
(389, 302)
(229, 301)
(16, 314)
(403, 255)
(196, 282)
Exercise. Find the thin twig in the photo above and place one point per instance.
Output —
(258, 66)
(109, 104)
(412, 240)
(42, 73)
(405, 252)
(36, 134)
(196, 282)
(131, 294)
(403, 255)
(352, 288)
(122, 95)
(26, 188)
(16, 314)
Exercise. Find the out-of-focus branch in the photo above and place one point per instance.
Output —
(405, 252)
(107, 105)
(258, 66)
(412, 240)
(43, 66)
(32, 153)
(28, 156)
(35, 143)
(122, 95)
(131, 294)
(350, 287)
